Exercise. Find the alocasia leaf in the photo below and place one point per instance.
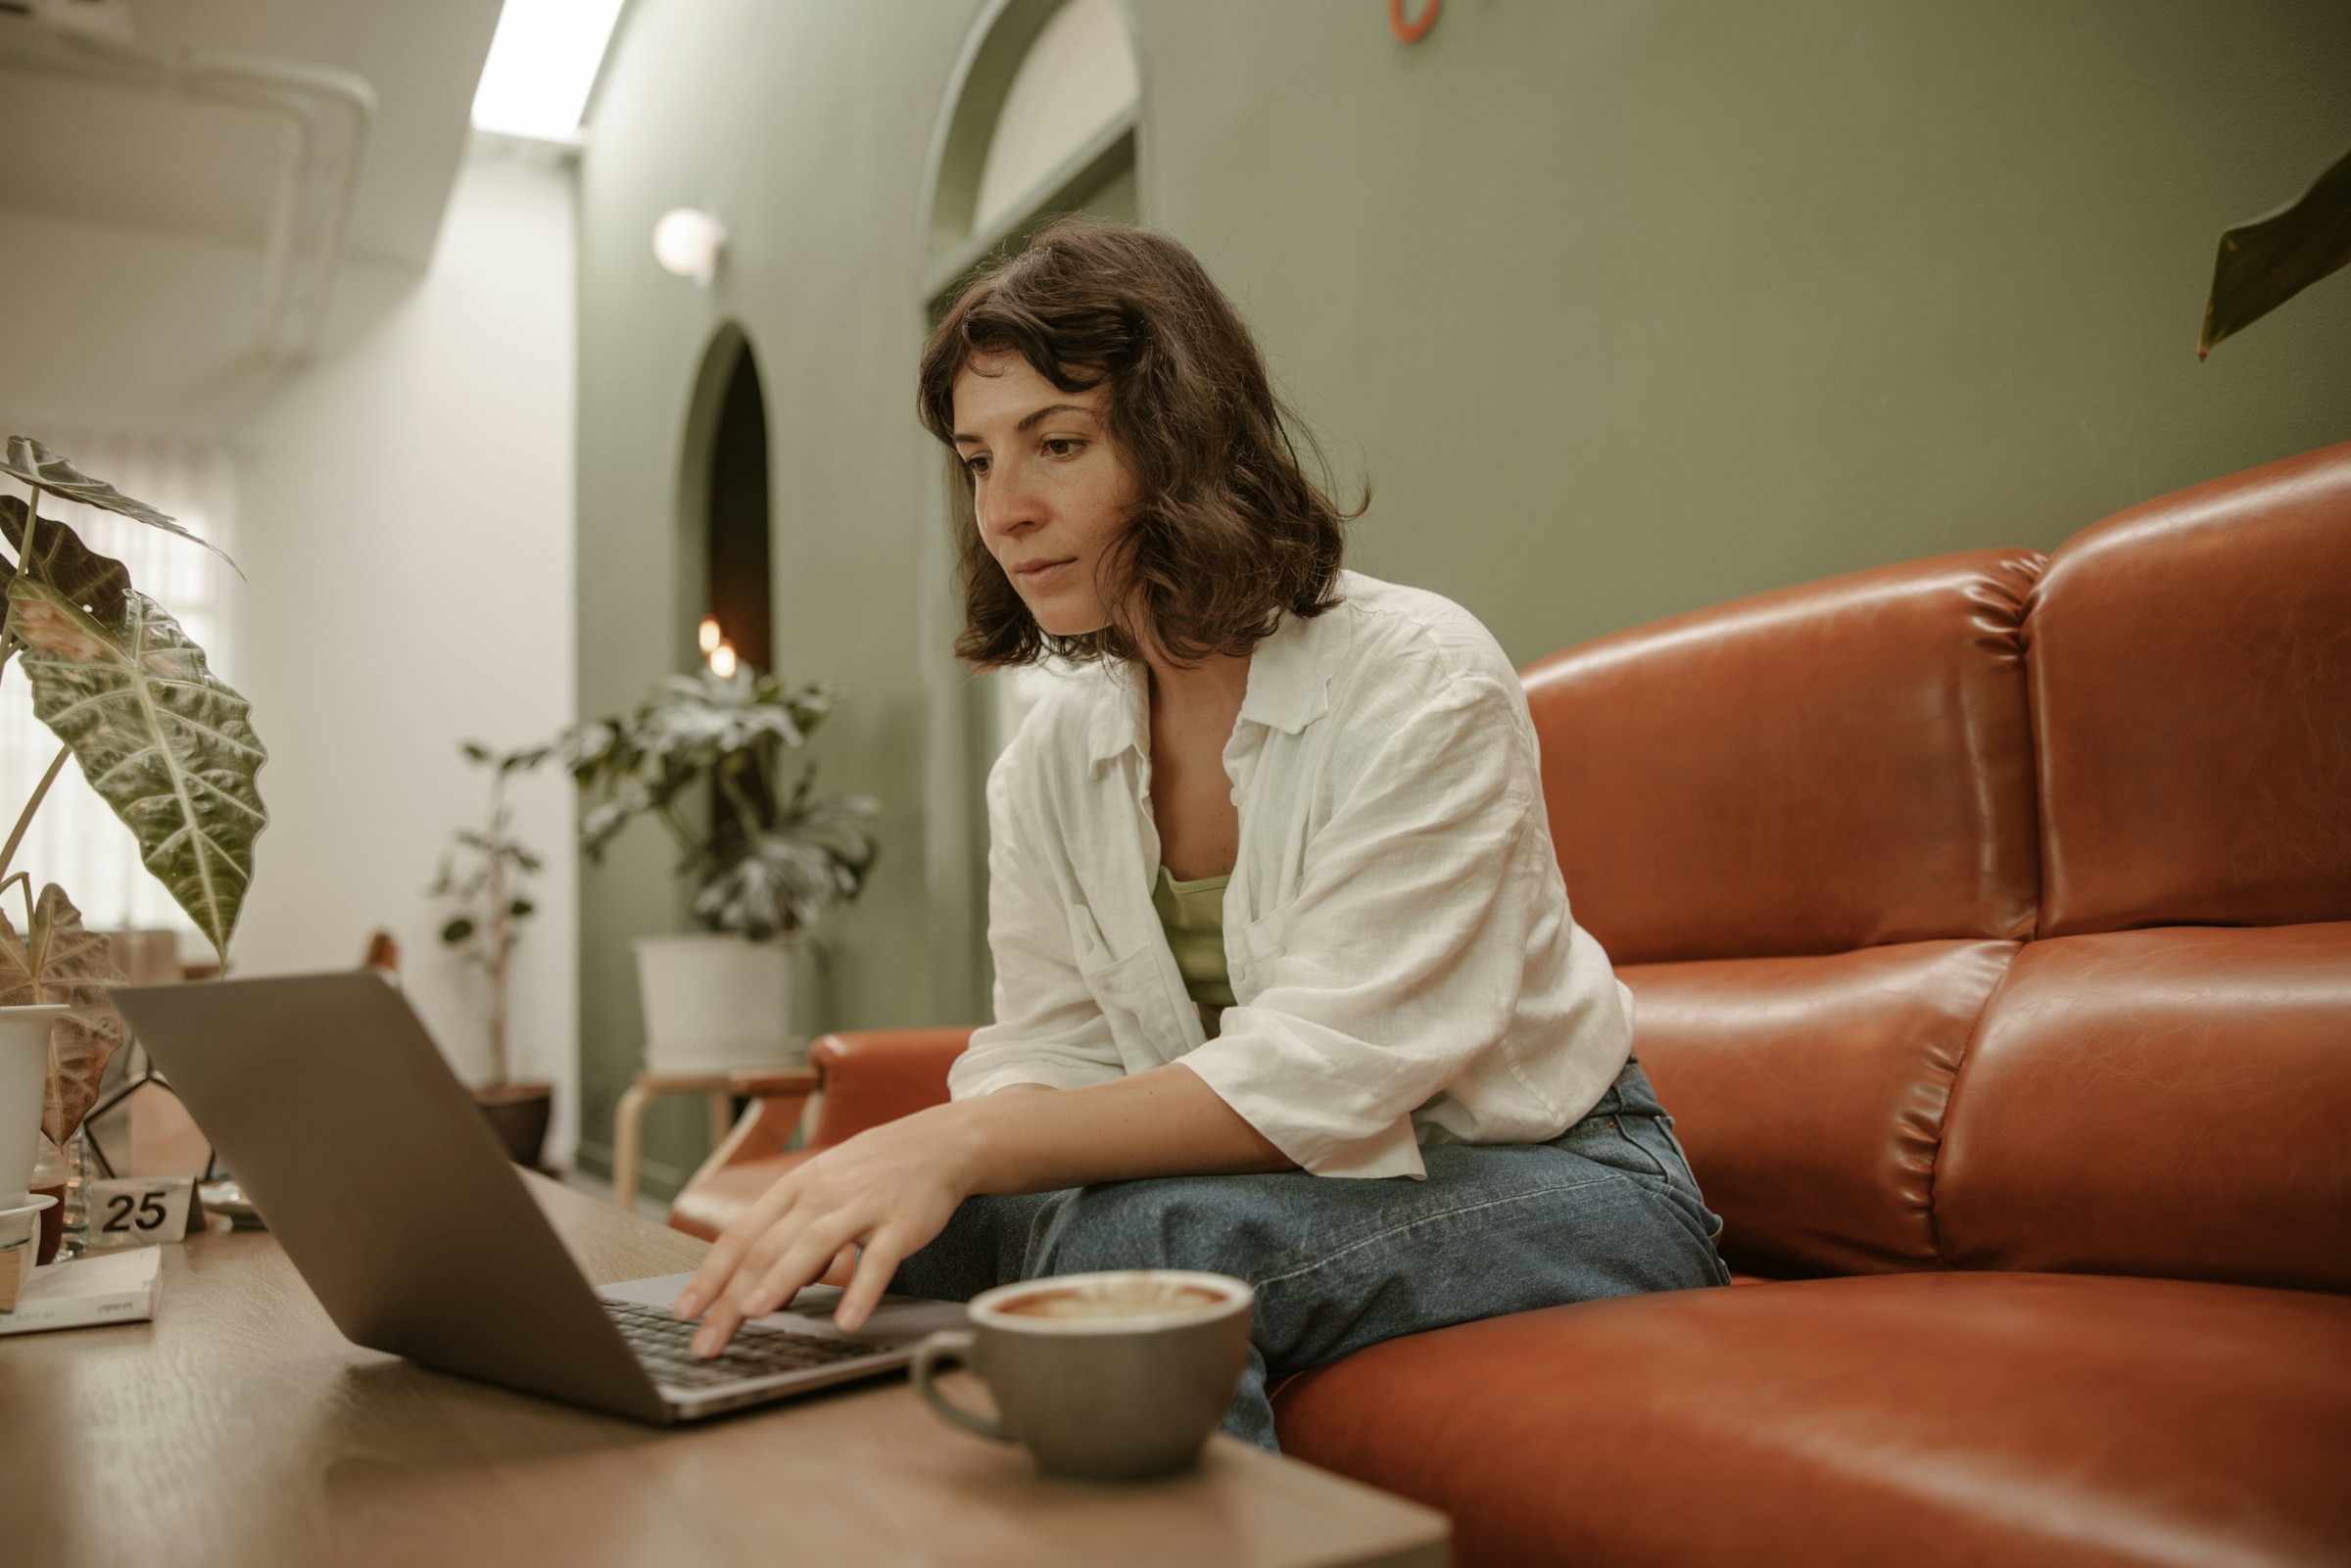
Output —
(159, 737)
(74, 967)
(35, 464)
(97, 582)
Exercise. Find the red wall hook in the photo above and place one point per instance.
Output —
(1413, 32)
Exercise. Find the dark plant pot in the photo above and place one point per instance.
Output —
(519, 1115)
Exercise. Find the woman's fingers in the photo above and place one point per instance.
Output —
(876, 1263)
(732, 1296)
(710, 1283)
(718, 1328)
(796, 1265)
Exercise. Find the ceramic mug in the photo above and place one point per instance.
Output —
(1102, 1377)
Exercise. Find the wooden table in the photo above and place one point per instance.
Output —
(240, 1428)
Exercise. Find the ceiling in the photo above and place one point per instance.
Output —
(132, 158)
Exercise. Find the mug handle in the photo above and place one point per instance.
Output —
(951, 1348)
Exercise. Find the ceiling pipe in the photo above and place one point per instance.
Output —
(303, 95)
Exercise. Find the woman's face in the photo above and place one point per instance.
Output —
(1050, 487)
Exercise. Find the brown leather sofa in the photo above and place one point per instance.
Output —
(1989, 917)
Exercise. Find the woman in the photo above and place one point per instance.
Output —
(1274, 904)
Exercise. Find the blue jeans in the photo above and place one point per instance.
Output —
(1608, 1208)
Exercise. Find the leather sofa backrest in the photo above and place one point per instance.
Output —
(1833, 766)
(2191, 697)
(2168, 1102)
(2163, 1083)
(1802, 826)
(1809, 1093)
(1915, 874)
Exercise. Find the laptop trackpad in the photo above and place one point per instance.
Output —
(897, 1318)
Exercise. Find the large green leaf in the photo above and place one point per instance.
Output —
(97, 582)
(74, 967)
(35, 464)
(2266, 262)
(158, 736)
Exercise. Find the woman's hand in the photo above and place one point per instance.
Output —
(885, 1192)
(891, 1188)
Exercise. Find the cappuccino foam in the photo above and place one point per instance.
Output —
(1122, 1297)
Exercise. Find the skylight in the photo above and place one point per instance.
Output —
(543, 60)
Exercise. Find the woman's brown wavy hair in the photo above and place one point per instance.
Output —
(1230, 532)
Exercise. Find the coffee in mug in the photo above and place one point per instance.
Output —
(1115, 1295)
(1109, 1376)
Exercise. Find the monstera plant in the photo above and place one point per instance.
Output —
(774, 855)
(158, 736)
(711, 757)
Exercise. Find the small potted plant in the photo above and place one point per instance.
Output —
(161, 740)
(708, 757)
(483, 877)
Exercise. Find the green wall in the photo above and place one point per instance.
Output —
(1623, 306)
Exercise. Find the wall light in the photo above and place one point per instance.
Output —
(687, 241)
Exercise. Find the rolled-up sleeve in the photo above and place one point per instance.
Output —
(1048, 1028)
(1399, 962)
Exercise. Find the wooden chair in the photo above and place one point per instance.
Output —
(853, 1081)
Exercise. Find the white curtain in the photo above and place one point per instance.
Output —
(76, 840)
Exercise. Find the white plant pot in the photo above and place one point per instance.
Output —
(23, 1085)
(714, 1002)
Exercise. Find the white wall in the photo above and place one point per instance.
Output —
(136, 332)
(405, 523)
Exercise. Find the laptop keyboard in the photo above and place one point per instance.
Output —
(661, 1343)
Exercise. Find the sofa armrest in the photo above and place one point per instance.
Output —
(877, 1075)
(760, 1082)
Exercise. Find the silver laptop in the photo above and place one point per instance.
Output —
(377, 1172)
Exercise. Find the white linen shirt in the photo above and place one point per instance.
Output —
(1404, 964)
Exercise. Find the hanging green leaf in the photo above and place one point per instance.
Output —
(35, 464)
(97, 582)
(60, 962)
(161, 740)
(2266, 262)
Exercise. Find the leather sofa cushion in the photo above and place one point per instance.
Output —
(1808, 1093)
(2192, 691)
(2169, 1102)
(1920, 1419)
(1831, 766)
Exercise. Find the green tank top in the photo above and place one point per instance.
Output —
(1193, 915)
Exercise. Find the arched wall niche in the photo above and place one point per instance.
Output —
(1052, 95)
(724, 514)
(1025, 69)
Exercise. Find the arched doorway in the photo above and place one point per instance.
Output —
(725, 504)
(1043, 118)
(736, 539)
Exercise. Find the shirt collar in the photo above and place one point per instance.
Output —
(1116, 722)
(1289, 679)
(1289, 688)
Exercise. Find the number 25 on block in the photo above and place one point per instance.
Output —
(135, 1213)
